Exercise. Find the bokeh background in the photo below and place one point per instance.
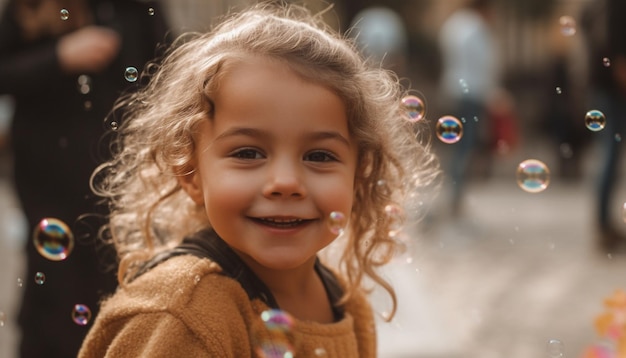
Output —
(514, 274)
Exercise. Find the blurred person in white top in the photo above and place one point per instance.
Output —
(469, 80)
(381, 37)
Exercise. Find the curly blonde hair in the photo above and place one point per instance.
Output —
(150, 212)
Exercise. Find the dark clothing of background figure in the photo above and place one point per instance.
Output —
(56, 141)
(605, 26)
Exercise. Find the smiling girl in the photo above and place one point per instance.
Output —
(228, 167)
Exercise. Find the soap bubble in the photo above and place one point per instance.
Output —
(151, 11)
(81, 314)
(64, 14)
(414, 108)
(40, 278)
(2, 318)
(559, 90)
(275, 350)
(568, 25)
(337, 222)
(464, 86)
(606, 62)
(395, 215)
(533, 176)
(84, 84)
(277, 320)
(53, 239)
(449, 129)
(595, 120)
(131, 74)
(554, 348)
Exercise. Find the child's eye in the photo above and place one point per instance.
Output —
(320, 156)
(247, 153)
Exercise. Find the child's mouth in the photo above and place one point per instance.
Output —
(281, 223)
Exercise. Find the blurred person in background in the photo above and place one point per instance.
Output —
(604, 24)
(469, 80)
(381, 36)
(64, 62)
(562, 112)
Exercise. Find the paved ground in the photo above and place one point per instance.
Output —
(514, 272)
(517, 272)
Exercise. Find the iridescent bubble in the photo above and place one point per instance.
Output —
(464, 86)
(277, 320)
(131, 74)
(533, 176)
(275, 350)
(414, 108)
(150, 11)
(395, 215)
(81, 314)
(449, 129)
(554, 348)
(337, 222)
(53, 239)
(114, 125)
(40, 278)
(595, 120)
(20, 282)
(559, 90)
(88, 105)
(64, 14)
(618, 137)
(568, 25)
(606, 62)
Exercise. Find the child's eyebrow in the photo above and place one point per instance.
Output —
(258, 133)
(242, 131)
(321, 135)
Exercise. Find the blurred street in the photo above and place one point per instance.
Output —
(517, 271)
(514, 272)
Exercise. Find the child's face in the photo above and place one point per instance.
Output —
(273, 164)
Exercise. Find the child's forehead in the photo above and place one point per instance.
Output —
(271, 81)
(252, 62)
(247, 68)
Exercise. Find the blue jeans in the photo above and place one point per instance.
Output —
(614, 108)
(473, 116)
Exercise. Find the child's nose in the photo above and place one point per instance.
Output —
(285, 179)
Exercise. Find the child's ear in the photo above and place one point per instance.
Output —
(191, 183)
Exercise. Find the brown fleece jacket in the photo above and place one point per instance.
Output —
(184, 307)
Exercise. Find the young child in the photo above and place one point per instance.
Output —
(229, 167)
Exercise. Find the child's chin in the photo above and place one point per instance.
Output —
(282, 263)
